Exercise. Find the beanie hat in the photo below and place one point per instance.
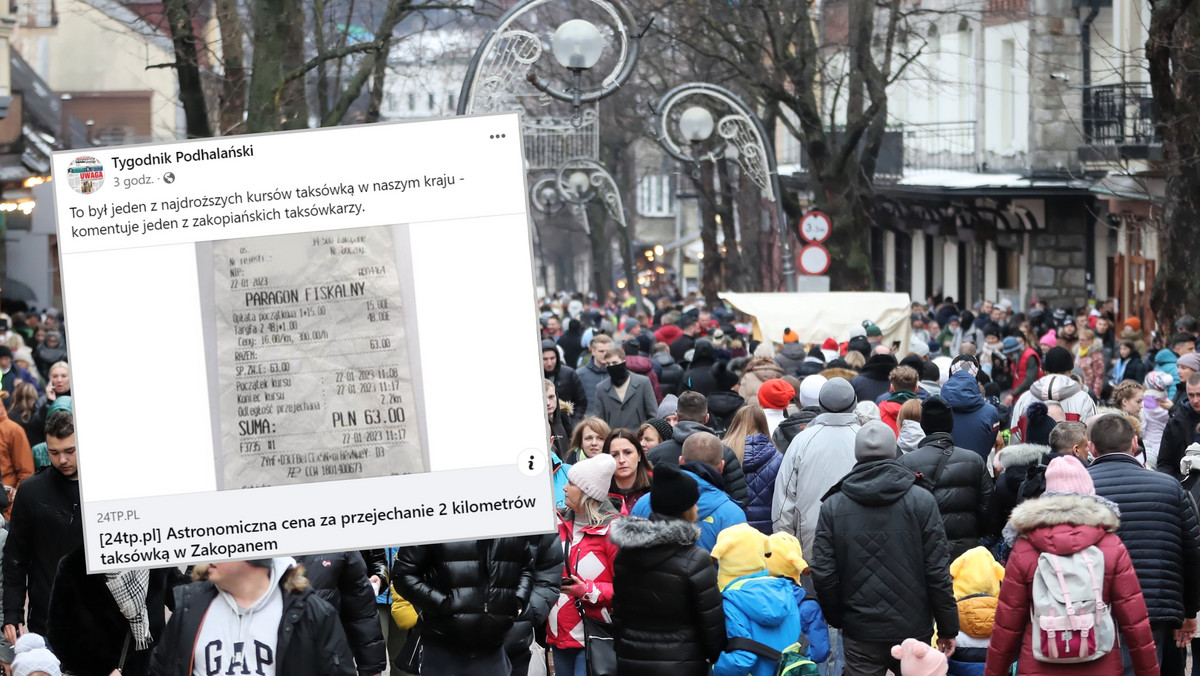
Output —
(549, 346)
(23, 354)
(1190, 360)
(1039, 425)
(815, 352)
(810, 390)
(776, 394)
(858, 331)
(786, 559)
(1066, 474)
(875, 441)
(790, 336)
(5, 351)
(741, 550)
(668, 406)
(837, 396)
(62, 403)
(936, 416)
(631, 346)
(664, 429)
(920, 349)
(1059, 360)
(915, 363)
(871, 329)
(919, 659)
(830, 344)
(724, 377)
(1010, 346)
(1134, 323)
(594, 475)
(33, 657)
(671, 491)
(1158, 381)
(1050, 339)
(934, 346)
(859, 344)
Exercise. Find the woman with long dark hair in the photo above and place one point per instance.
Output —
(631, 480)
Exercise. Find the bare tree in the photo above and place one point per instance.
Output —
(773, 50)
(1174, 62)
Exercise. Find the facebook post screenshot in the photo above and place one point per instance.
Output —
(309, 292)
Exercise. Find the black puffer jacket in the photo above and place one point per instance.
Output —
(1158, 527)
(963, 492)
(793, 425)
(547, 576)
(667, 612)
(1179, 433)
(722, 406)
(310, 640)
(873, 380)
(879, 562)
(699, 376)
(86, 626)
(1017, 459)
(468, 593)
(45, 526)
(671, 449)
(341, 579)
(671, 380)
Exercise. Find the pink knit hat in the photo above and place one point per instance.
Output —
(1067, 475)
(1051, 338)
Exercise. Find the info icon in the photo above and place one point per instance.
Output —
(85, 175)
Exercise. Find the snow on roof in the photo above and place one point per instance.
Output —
(945, 178)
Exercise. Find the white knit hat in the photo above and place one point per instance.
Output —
(593, 476)
(810, 390)
(32, 657)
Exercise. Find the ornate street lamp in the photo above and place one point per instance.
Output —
(577, 182)
(740, 131)
(507, 57)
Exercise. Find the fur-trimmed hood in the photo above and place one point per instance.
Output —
(838, 373)
(632, 532)
(1064, 509)
(1018, 455)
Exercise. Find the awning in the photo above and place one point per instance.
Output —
(817, 316)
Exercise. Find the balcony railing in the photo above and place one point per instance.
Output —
(1119, 115)
(940, 145)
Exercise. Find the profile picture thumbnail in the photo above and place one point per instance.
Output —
(85, 174)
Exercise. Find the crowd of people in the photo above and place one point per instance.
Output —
(1002, 490)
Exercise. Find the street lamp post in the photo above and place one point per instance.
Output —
(507, 56)
(739, 127)
(579, 181)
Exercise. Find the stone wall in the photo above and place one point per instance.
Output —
(1058, 255)
(1055, 102)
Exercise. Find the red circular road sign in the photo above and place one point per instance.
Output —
(813, 259)
(815, 227)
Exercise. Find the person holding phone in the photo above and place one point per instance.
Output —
(587, 582)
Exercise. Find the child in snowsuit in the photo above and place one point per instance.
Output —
(977, 579)
(770, 610)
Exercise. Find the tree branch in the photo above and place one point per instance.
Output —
(317, 60)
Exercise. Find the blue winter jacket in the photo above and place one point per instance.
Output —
(385, 596)
(1165, 361)
(717, 511)
(560, 481)
(772, 611)
(975, 420)
(761, 463)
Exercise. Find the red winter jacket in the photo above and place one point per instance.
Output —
(643, 366)
(1064, 524)
(591, 559)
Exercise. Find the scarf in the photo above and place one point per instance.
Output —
(129, 589)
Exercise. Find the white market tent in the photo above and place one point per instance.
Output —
(817, 316)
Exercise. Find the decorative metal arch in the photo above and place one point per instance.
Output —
(744, 130)
(507, 57)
